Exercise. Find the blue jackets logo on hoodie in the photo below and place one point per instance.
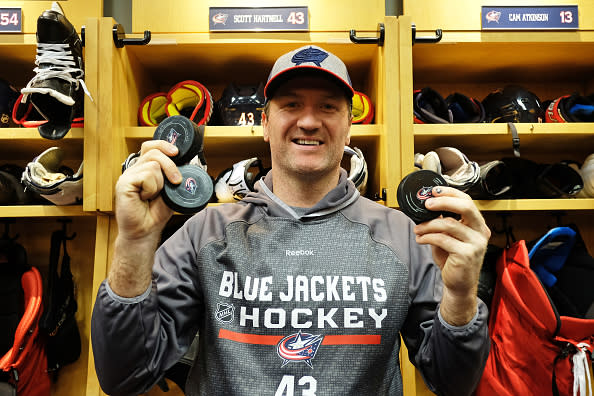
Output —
(300, 347)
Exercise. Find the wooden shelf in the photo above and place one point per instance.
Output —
(43, 211)
(219, 139)
(535, 205)
(234, 132)
(495, 140)
(224, 145)
(13, 44)
(515, 37)
(27, 143)
(576, 128)
(493, 57)
(569, 204)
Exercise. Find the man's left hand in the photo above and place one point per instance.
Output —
(459, 247)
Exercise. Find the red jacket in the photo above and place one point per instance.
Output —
(531, 345)
(26, 361)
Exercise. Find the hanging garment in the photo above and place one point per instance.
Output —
(25, 364)
(563, 264)
(534, 351)
(13, 264)
(58, 322)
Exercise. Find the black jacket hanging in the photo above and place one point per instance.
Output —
(58, 322)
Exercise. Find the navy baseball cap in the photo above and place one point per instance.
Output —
(309, 59)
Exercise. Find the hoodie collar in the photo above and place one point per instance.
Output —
(338, 198)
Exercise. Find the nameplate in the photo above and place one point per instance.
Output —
(258, 19)
(11, 20)
(530, 18)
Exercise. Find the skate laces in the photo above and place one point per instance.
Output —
(62, 66)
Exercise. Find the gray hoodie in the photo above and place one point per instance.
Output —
(289, 304)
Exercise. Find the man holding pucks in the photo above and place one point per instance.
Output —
(301, 288)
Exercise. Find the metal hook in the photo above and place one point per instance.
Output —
(7, 223)
(369, 40)
(383, 196)
(425, 40)
(119, 37)
(558, 214)
(506, 229)
(64, 223)
(504, 226)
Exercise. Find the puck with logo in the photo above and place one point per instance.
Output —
(414, 190)
(192, 194)
(182, 132)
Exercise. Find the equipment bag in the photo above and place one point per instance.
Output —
(58, 322)
(24, 366)
(534, 351)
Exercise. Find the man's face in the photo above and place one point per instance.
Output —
(307, 126)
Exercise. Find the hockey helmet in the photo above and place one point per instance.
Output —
(241, 105)
(513, 103)
(465, 109)
(570, 108)
(429, 107)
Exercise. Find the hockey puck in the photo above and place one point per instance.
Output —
(192, 194)
(182, 132)
(414, 190)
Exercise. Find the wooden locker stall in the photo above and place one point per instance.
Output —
(34, 224)
(215, 60)
(475, 62)
(181, 48)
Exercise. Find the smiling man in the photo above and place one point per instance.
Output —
(304, 287)
(307, 126)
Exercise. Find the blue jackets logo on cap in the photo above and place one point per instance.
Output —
(312, 55)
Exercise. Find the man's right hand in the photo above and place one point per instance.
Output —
(140, 210)
(141, 216)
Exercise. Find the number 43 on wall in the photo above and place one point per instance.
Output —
(296, 18)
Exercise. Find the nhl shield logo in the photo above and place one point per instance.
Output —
(224, 313)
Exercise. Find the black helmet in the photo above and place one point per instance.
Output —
(429, 107)
(513, 103)
(465, 109)
(241, 105)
